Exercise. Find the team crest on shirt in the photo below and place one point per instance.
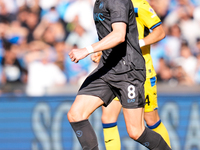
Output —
(101, 5)
(98, 17)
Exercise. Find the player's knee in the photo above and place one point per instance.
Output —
(74, 116)
(134, 136)
(104, 119)
(70, 116)
(108, 118)
(134, 133)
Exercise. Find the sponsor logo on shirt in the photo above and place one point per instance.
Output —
(98, 17)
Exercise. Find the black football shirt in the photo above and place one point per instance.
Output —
(127, 55)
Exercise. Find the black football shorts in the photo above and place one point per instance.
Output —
(128, 87)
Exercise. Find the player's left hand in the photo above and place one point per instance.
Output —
(96, 57)
(78, 54)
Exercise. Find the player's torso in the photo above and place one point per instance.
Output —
(126, 55)
(102, 18)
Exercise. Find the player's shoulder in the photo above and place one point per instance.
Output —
(126, 4)
(141, 5)
(143, 8)
(118, 1)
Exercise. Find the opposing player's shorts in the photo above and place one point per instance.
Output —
(128, 87)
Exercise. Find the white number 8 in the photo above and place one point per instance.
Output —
(131, 91)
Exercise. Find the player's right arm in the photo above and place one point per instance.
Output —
(113, 39)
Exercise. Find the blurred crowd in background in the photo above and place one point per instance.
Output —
(36, 36)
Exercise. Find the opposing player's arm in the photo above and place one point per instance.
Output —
(149, 18)
(113, 39)
(156, 35)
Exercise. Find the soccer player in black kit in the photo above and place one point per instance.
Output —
(121, 73)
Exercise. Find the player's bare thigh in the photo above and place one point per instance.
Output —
(83, 107)
(111, 112)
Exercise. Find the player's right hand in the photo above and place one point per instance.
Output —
(96, 57)
(78, 54)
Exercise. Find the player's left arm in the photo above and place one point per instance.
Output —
(156, 35)
(150, 19)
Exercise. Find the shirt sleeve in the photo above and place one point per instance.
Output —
(148, 16)
(119, 10)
